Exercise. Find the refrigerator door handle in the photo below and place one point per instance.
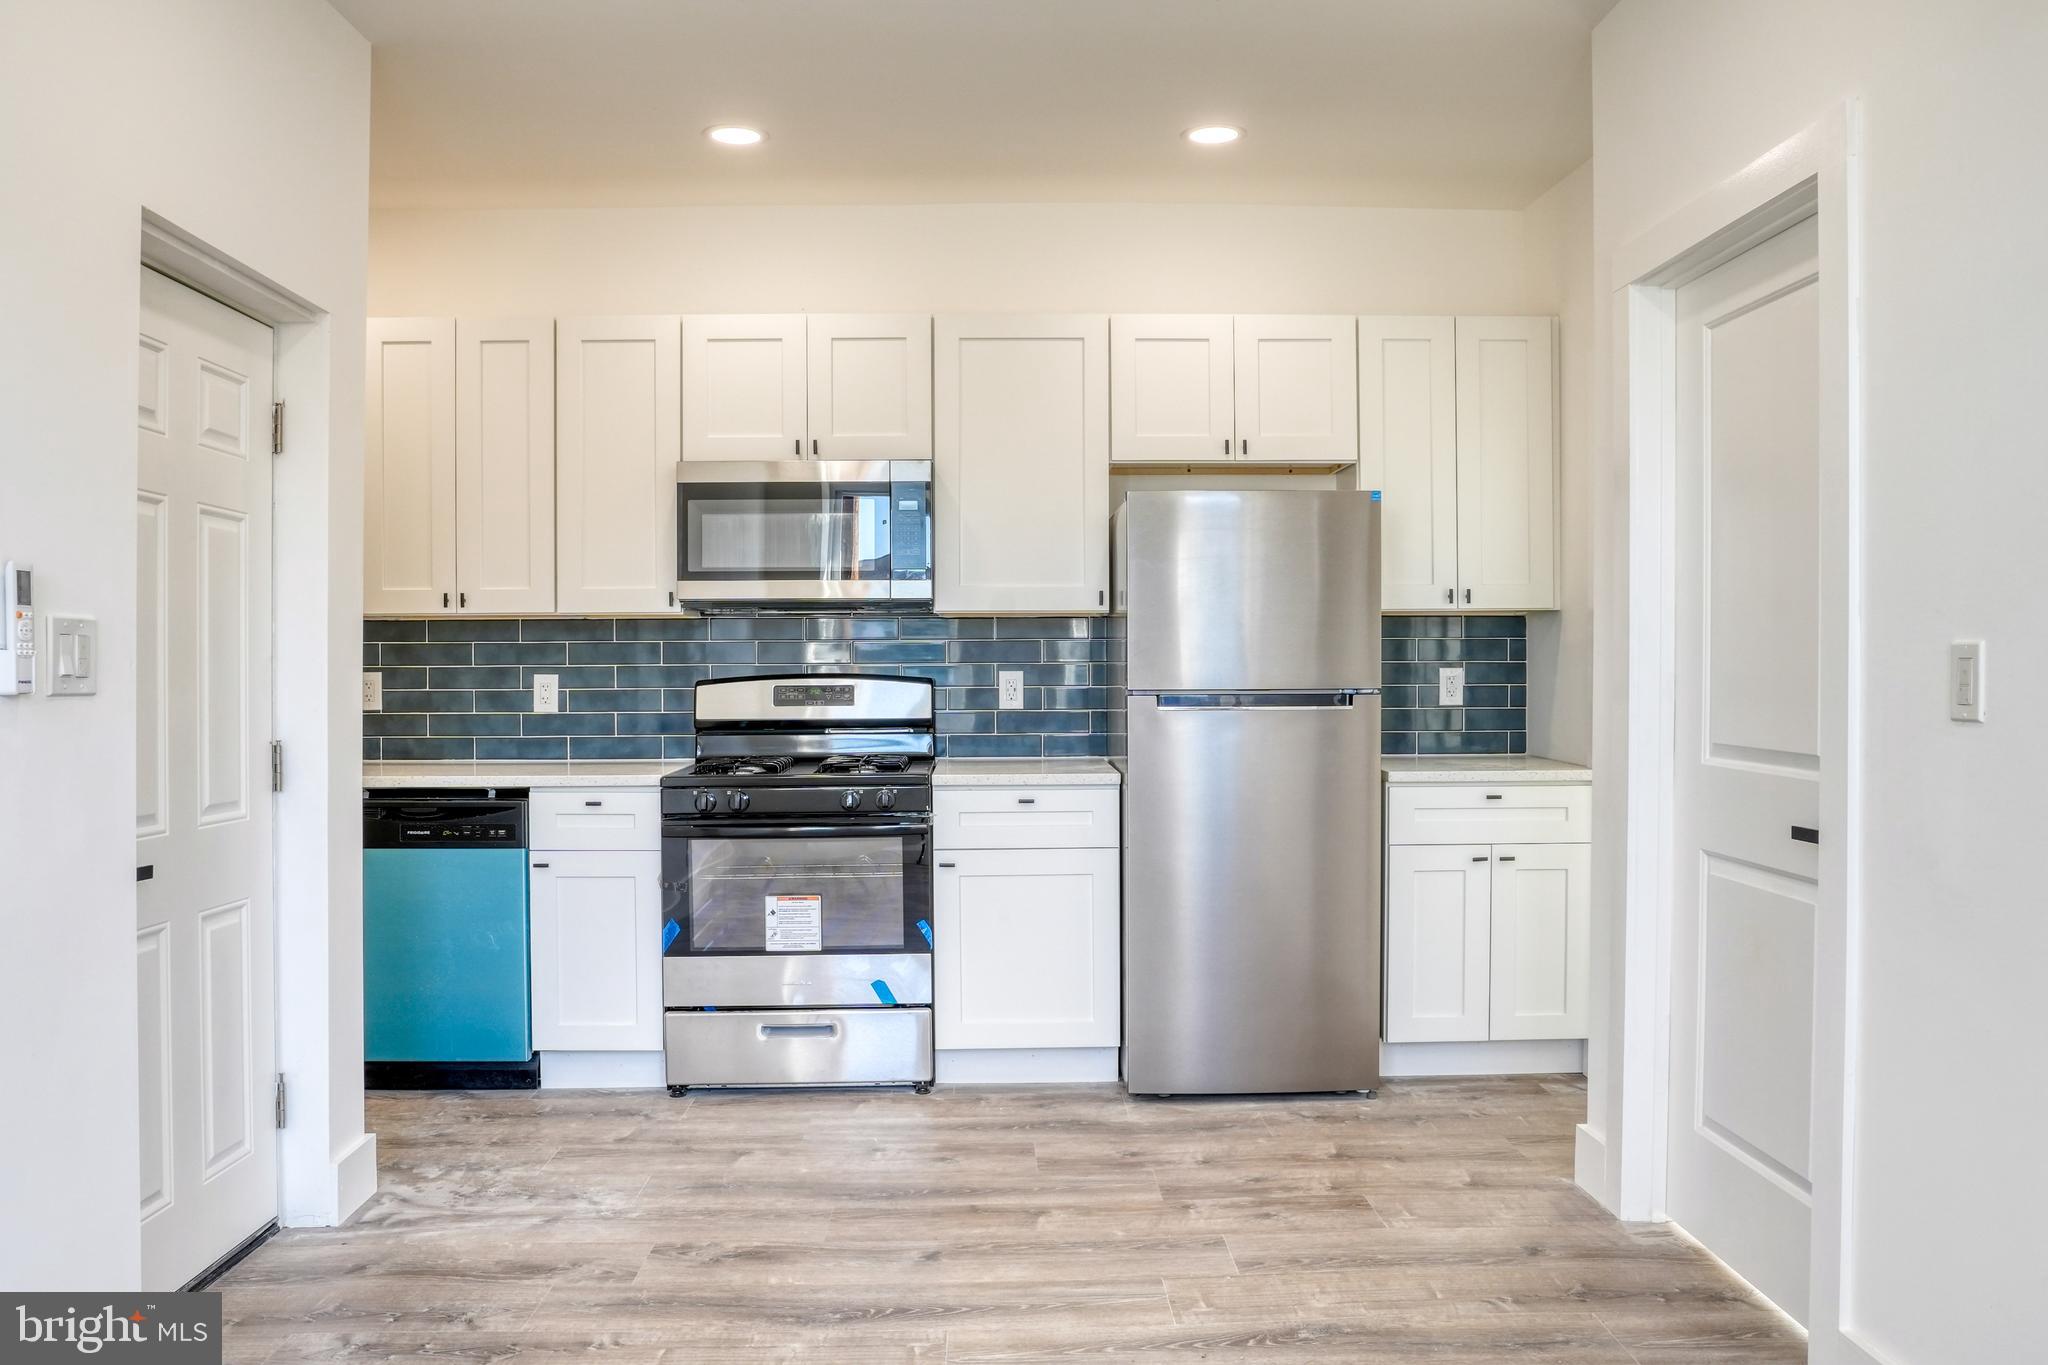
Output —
(1334, 699)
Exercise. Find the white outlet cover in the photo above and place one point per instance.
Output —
(1450, 685)
(547, 696)
(373, 691)
(1010, 685)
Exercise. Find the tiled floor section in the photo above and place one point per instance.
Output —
(1436, 1224)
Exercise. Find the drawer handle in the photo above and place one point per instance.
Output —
(1493, 796)
(799, 1031)
(948, 864)
(1027, 800)
(593, 803)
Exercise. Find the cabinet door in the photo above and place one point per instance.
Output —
(1408, 449)
(596, 952)
(743, 387)
(1170, 395)
(1297, 389)
(1020, 468)
(618, 410)
(1542, 937)
(1025, 949)
(871, 386)
(1437, 953)
(505, 465)
(1507, 465)
(409, 467)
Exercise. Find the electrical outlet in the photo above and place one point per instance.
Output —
(1450, 685)
(373, 691)
(547, 698)
(1011, 683)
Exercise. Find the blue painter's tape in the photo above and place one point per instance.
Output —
(882, 992)
(1375, 495)
(669, 931)
(924, 926)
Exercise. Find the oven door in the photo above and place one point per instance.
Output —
(760, 916)
(803, 530)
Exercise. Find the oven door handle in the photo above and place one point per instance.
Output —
(723, 829)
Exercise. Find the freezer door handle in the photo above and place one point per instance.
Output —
(1262, 701)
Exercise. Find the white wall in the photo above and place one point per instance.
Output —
(245, 122)
(1940, 1255)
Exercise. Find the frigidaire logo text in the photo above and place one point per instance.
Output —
(88, 1332)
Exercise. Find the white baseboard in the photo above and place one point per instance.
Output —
(1518, 1057)
(1027, 1066)
(352, 1179)
(1589, 1165)
(602, 1071)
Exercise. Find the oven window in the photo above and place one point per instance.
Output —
(869, 892)
(816, 532)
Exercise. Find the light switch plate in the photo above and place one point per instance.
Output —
(1010, 682)
(373, 691)
(1450, 685)
(1966, 680)
(72, 662)
(547, 697)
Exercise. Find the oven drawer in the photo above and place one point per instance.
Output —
(1548, 813)
(798, 1047)
(568, 819)
(1026, 817)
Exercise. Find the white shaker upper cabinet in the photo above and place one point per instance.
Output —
(870, 386)
(409, 467)
(1021, 464)
(618, 416)
(1297, 389)
(1408, 448)
(1507, 464)
(743, 387)
(505, 465)
(1170, 397)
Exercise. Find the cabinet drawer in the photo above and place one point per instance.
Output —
(1479, 814)
(565, 819)
(1026, 817)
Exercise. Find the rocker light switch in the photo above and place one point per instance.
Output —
(74, 656)
(1966, 680)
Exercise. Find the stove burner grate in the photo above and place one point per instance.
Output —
(856, 764)
(744, 765)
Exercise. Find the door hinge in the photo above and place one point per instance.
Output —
(277, 427)
(277, 765)
(280, 1099)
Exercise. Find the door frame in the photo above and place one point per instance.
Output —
(1621, 1156)
(326, 1164)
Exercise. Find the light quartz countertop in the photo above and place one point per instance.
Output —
(1499, 769)
(388, 774)
(1026, 772)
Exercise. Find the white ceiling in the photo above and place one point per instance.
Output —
(1423, 103)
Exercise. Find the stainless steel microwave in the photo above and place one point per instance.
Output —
(836, 531)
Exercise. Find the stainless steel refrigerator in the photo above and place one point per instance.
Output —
(1251, 728)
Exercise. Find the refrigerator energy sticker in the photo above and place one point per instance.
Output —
(796, 924)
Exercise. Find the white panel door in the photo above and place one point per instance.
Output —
(1021, 464)
(618, 421)
(1170, 394)
(744, 378)
(1542, 918)
(596, 947)
(1297, 389)
(870, 386)
(1507, 464)
(505, 465)
(409, 467)
(1408, 449)
(1748, 762)
(204, 975)
(1438, 928)
(1026, 949)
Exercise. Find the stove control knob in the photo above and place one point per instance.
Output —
(738, 800)
(885, 799)
(706, 802)
(850, 800)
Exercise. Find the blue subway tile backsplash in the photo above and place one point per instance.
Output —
(462, 689)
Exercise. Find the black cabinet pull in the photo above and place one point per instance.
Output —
(1507, 857)
(593, 803)
(1493, 796)
(1027, 800)
(540, 866)
(147, 872)
(1479, 857)
(1805, 834)
(947, 864)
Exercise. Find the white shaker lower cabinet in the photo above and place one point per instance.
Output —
(595, 899)
(1542, 922)
(1438, 927)
(1026, 940)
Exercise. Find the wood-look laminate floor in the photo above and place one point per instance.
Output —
(1437, 1223)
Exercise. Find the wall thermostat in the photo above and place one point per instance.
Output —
(18, 660)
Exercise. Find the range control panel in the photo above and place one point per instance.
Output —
(814, 694)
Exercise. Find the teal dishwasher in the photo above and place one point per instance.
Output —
(446, 1003)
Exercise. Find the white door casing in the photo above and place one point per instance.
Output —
(205, 973)
(1297, 388)
(409, 467)
(870, 390)
(1171, 396)
(1439, 927)
(505, 465)
(618, 415)
(1408, 449)
(744, 377)
(1507, 464)
(1747, 771)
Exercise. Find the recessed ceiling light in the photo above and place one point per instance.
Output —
(732, 135)
(1213, 135)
